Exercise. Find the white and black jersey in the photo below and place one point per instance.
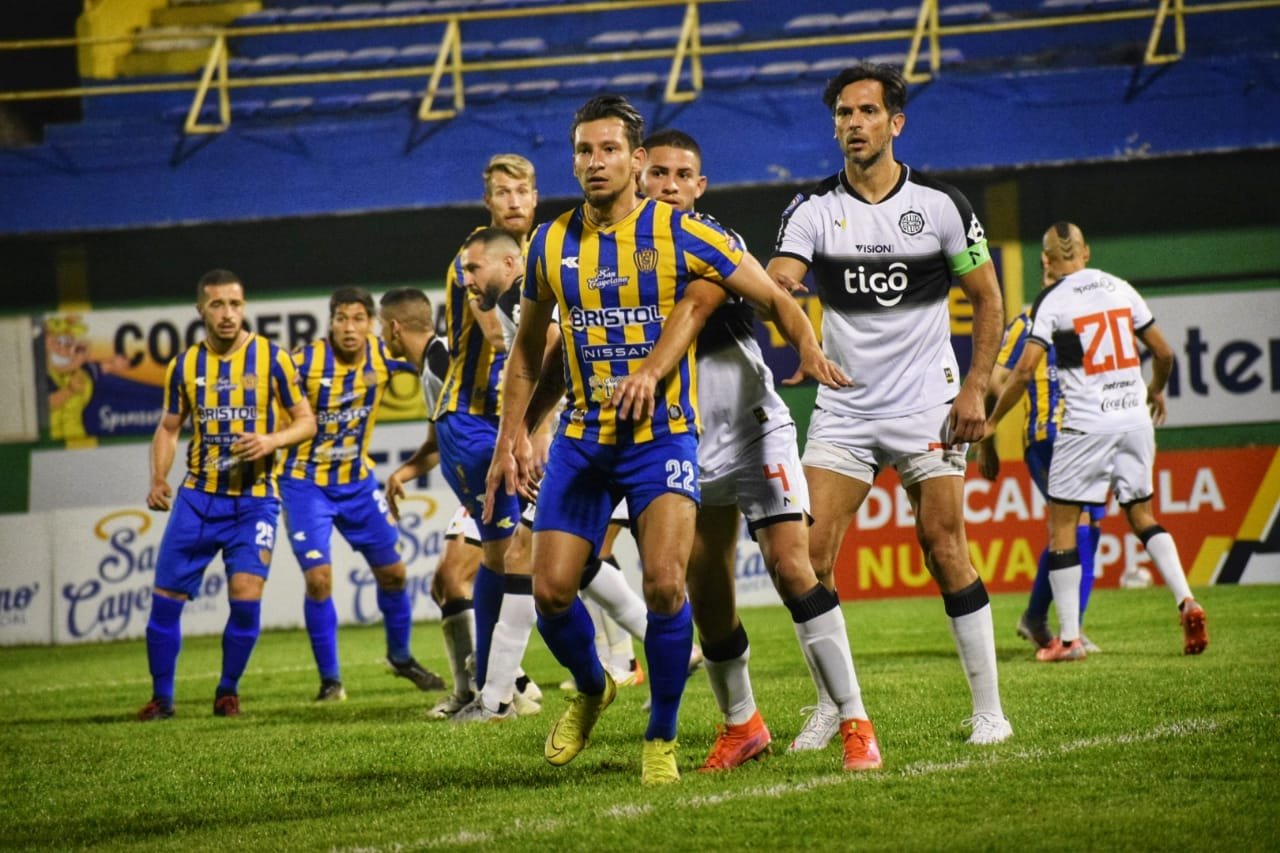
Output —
(1091, 318)
(883, 272)
(736, 398)
(435, 367)
(508, 306)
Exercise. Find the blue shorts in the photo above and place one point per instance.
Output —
(466, 450)
(585, 481)
(359, 510)
(201, 525)
(1038, 456)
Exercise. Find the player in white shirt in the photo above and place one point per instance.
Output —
(883, 243)
(1093, 320)
(748, 461)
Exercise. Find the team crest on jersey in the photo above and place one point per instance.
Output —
(675, 413)
(577, 417)
(946, 371)
(911, 223)
(607, 278)
(250, 381)
(646, 259)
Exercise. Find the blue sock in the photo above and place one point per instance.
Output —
(164, 641)
(571, 637)
(322, 626)
(397, 616)
(486, 598)
(238, 640)
(1041, 592)
(1087, 536)
(667, 643)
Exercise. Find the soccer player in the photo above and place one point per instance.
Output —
(748, 460)
(466, 424)
(1091, 319)
(883, 243)
(615, 266)
(328, 482)
(234, 386)
(1043, 420)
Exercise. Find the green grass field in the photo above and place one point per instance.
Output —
(1136, 748)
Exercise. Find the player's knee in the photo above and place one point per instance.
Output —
(319, 582)
(551, 600)
(664, 594)
(390, 578)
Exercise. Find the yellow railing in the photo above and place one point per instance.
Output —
(923, 39)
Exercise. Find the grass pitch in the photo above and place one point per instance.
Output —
(1136, 748)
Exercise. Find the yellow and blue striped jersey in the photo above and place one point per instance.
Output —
(474, 382)
(246, 390)
(615, 287)
(1044, 403)
(345, 398)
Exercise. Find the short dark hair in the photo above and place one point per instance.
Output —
(410, 305)
(490, 236)
(213, 278)
(610, 106)
(672, 138)
(895, 85)
(350, 296)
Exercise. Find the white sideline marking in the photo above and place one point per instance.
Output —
(521, 829)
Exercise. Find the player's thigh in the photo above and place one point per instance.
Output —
(834, 499)
(251, 537)
(364, 519)
(188, 545)
(309, 515)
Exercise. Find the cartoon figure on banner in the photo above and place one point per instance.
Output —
(71, 374)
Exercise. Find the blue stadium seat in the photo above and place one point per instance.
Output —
(308, 15)
(528, 90)
(903, 16)
(635, 82)
(964, 13)
(862, 19)
(613, 40)
(824, 69)
(239, 65)
(371, 57)
(322, 60)
(386, 101)
(729, 76)
(720, 32)
(519, 48)
(274, 63)
(484, 93)
(584, 87)
(473, 51)
(405, 8)
(287, 107)
(781, 72)
(335, 104)
(246, 108)
(416, 54)
(261, 18)
(812, 24)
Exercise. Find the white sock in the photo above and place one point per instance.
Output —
(826, 648)
(1065, 584)
(621, 648)
(506, 649)
(615, 596)
(1164, 553)
(731, 685)
(602, 638)
(976, 642)
(459, 642)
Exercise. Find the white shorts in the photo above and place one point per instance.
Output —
(765, 480)
(463, 526)
(917, 445)
(1085, 464)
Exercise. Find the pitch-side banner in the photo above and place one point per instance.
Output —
(101, 373)
(1220, 506)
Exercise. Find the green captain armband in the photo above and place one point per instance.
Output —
(970, 259)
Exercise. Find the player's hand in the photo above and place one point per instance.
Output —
(796, 378)
(1156, 406)
(504, 473)
(633, 397)
(988, 459)
(789, 284)
(968, 420)
(529, 467)
(159, 498)
(817, 366)
(251, 446)
(394, 491)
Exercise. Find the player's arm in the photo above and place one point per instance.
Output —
(164, 448)
(520, 377)
(1016, 385)
(988, 459)
(424, 459)
(968, 411)
(751, 282)
(634, 395)
(1161, 367)
(788, 273)
(489, 324)
(550, 387)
